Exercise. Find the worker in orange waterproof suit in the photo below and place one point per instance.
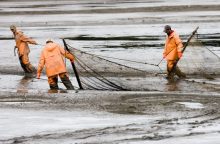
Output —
(22, 42)
(172, 52)
(52, 57)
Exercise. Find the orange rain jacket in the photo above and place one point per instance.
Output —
(52, 57)
(173, 46)
(22, 43)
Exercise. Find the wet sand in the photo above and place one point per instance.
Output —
(87, 117)
(155, 111)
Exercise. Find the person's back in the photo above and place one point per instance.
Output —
(52, 54)
(52, 57)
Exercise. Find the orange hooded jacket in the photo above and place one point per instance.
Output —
(52, 57)
(173, 46)
(22, 43)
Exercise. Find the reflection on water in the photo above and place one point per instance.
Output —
(173, 84)
(57, 91)
(24, 83)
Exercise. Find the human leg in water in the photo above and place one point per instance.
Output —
(53, 80)
(66, 81)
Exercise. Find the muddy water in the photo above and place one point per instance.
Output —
(116, 117)
(124, 29)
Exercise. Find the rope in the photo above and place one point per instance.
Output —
(209, 49)
(125, 60)
(108, 60)
(101, 57)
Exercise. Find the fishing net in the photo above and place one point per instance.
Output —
(98, 73)
(198, 59)
(101, 72)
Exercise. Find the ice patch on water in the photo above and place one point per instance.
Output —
(192, 105)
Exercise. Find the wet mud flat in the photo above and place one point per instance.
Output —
(87, 117)
(160, 112)
(193, 83)
(155, 112)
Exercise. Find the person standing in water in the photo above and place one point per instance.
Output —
(52, 57)
(23, 49)
(172, 52)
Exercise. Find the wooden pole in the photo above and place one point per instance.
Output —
(73, 66)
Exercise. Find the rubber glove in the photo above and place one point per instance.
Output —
(180, 54)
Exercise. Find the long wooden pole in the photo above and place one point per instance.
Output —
(73, 66)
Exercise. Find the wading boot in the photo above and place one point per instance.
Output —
(170, 75)
(67, 82)
(179, 73)
(54, 87)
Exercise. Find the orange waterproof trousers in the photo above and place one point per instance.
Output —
(53, 80)
(26, 65)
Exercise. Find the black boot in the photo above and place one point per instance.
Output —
(179, 73)
(54, 87)
(67, 83)
(170, 75)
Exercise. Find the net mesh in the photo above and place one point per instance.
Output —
(100, 72)
(199, 59)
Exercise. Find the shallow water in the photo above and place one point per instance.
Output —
(122, 118)
(22, 84)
